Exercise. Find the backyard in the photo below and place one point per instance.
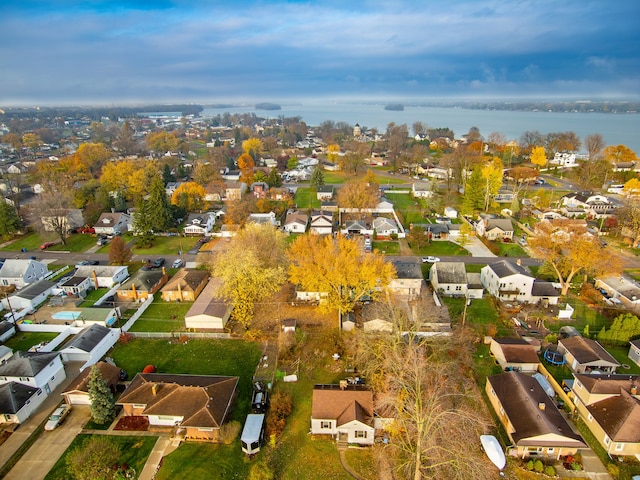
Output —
(162, 316)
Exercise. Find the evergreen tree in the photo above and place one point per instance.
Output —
(585, 332)
(158, 207)
(142, 225)
(474, 192)
(317, 177)
(167, 175)
(103, 405)
(274, 180)
(10, 223)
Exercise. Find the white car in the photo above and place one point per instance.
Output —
(177, 263)
(57, 417)
(430, 259)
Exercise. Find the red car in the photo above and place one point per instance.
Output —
(46, 245)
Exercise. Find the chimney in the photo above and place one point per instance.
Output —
(95, 278)
(634, 389)
(133, 289)
(519, 262)
(542, 406)
(343, 384)
(154, 389)
(164, 271)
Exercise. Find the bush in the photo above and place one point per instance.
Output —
(280, 408)
(530, 465)
(549, 470)
(538, 466)
(551, 338)
(614, 470)
(229, 431)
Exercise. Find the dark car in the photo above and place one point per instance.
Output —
(158, 262)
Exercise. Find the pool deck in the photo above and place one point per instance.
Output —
(45, 313)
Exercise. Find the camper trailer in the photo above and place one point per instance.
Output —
(252, 433)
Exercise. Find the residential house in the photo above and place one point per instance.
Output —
(384, 206)
(357, 227)
(586, 355)
(321, 223)
(325, 192)
(564, 159)
(622, 287)
(634, 351)
(505, 196)
(610, 407)
(185, 285)
(449, 278)
(509, 281)
(7, 330)
(533, 423)
(259, 189)
(21, 272)
(193, 406)
(234, 189)
(29, 297)
(103, 276)
(199, 224)
(434, 231)
(77, 393)
(113, 223)
(142, 285)
(423, 189)
(72, 219)
(593, 205)
(515, 354)
(495, 228)
(408, 281)
(209, 311)
(450, 212)
(90, 345)
(26, 379)
(171, 188)
(296, 221)
(77, 286)
(263, 218)
(343, 411)
(385, 227)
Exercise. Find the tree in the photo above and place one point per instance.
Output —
(473, 199)
(428, 389)
(492, 176)
(530, 139)
(624, 328)
(620, 153)
(92, 156)
(252, 268)
(357, 194)
(339, 268)
(292, 163)
(162, 142)
(569, 250)
(51, 212)
(464, 237)
(594, 144)
(418, 238)
(273, 179)
(590, 175)
(317, 177)
(254, 147)
(246, 165)
(190, 196)
(538, 157)
(103, 406)
(31, 141)
(10, 222)
(397, 138)
(204, 173)
(119, 251)
(94, 459)
(629, 222)
(158, 206)
(562, 142)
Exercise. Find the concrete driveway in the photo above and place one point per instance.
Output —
(45, 452)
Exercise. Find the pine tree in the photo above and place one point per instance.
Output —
(158, 207)
(103, 405)
(274, 180)
(474, 192)
(317, 178)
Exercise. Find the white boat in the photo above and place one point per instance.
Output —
(493, 449)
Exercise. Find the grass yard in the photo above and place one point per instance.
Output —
(510, 249)
(409, 209)
(481, 314)
(133, 451)
(31, 241)
(25, 340)
(387, 248)
(167, 246)
(361, 460)
(197, 357)
(162, 316)
(305, 197)
(80, 242)
(621, 354)
(197, 461)
(582, 316)
(442, 248)
(93, 296)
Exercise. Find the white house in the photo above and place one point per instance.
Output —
(7, 330)
(208, 311)
(449, 278)
(634, 351)
(507, 281)
(112, 223)
(385, 227)
(343, 411)
(422, 189)
(30, 296)
(564, 159)
(263, 218)
(495, 228)
(408, 281)
(36, 369)
(104, 275)
(321, 223)
(72, 219)
(200, 223)
(296, 222)
(21, 272)
(77, 393)
(90, 345)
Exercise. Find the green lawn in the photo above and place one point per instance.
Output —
(31, 241)
(167, 246)
(197, 357)
(162, 316)
(306, 198)
(481, 314)
(93, 296)
(133, 451)
(25, 340)
(79, 242)
(621, 354)
(197, 461)
(442, 248)
(388, 248)
(410, 210)
(582, 316)
(510, 249)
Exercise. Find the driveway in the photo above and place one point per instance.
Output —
(45, 452)
(477, 249)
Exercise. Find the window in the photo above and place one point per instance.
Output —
(360, 434)
(325, 424)
(590, 418)
(53, 378)
(619, 447)
(550, 450)
(24, 379)
(607, 440)
(493, 392)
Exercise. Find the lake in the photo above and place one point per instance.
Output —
(615, 128)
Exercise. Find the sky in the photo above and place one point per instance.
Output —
(115, 52)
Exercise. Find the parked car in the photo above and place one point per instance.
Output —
(57, 417)
(46, 245)
(430, 259)
(177, 263)
(87, 262)
(158, 262)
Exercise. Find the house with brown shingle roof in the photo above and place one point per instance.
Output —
(533, 423)
(344, 412)
(185, 285)
(515, 354)
(193, 406)
(584, 355)
(142, 285)
(77, 393)
(610, 407)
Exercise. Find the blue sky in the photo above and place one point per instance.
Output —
(115, 52)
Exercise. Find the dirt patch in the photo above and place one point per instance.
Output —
(4, 434)
(133, 424)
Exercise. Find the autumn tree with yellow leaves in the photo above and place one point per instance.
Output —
(538, 157)
(190, 196)
(246, 164)
(253, 146)
(568, 249)
(619, 153)
(339, 268)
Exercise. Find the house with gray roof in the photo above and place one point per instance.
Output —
(18, 401)
(584, 355)
(209, 310)
(29, 297)
(21, 272)
(495, 228)
(103, 275)
(113, 223)
(409, 279)
(511, 282)
(385, 227)
(90, 345)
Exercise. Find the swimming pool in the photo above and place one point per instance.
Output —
(65, 315)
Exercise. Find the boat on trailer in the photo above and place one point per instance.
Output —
(493, 449)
